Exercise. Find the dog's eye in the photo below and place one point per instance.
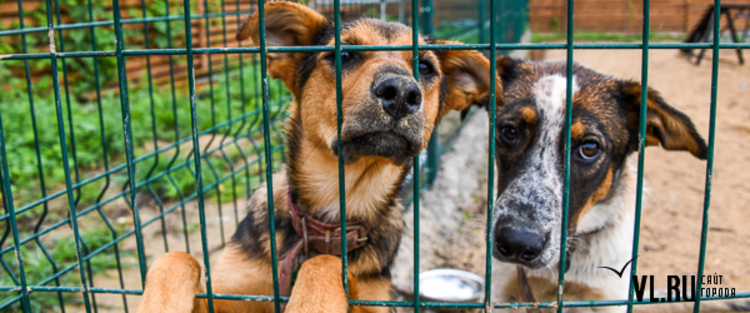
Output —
(510, 134)
(425, 68)
(589, 151)
(346, 56)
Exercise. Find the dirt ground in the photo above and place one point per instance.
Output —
(452, 214)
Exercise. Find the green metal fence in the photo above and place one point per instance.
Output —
(203, 146)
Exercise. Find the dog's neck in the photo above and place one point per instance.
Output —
(372, 183)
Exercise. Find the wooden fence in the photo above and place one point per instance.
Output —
(78, 38)
(620, 15)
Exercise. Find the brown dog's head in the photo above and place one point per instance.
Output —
(530, 155)
(387, 112)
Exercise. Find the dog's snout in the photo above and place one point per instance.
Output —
(400, 96)
(519, 244)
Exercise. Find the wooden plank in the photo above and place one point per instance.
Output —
(11, 7)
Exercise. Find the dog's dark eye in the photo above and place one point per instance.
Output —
(425, 68)
(589, 151)
(510, 134)
(346, 56)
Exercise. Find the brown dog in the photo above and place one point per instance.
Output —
(388, 119)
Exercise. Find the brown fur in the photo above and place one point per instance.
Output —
(598, 195)
(170, 273)
(528, 114)
(318, 288)
(662, 128)
(458, 80)
(577, 130)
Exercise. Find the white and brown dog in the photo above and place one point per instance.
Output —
(529, 152)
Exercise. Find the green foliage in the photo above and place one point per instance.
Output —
(605, 37)
(62, 250)
(94, 136)
(555, 23)
(82, 73)
(462, 34)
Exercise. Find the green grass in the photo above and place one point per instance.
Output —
(462, 34)
(90, 149)
(62, 250)
(538, 37)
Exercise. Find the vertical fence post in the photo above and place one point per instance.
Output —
(433, 146)
(339, 121)
(268, 154)
(128, 135)
(65, 159)
(566, 163)
(415, 69)
(383, 16)
(641, 151)
(491, 162)
(10, 209)
(480, 20)
(197, 151)
(428, 17)
(9, 205)
(710, 154)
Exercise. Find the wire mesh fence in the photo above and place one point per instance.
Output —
(158, 106)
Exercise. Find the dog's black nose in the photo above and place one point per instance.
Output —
(399, 95)
(519, 244)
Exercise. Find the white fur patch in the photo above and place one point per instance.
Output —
(609, 247)
(550, 93)
(541, 177)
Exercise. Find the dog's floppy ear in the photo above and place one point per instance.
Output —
(665, 126)
(287, 24)
(507, 68)
(467, 78)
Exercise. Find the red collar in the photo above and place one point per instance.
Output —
(325, 237)
(322, 237)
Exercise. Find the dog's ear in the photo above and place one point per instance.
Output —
(467, 79)
(287, 24)
(665, 126)
(507, 68)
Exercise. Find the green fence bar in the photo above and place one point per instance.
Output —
(196, 152)
(8, 203)
(64, 151)
(433, 146)
(641, 151)
(232, 146)
(498, 46)
(416, 167)
(128, 134)
(339, 121)
(40, 170)
(710, 154)
(269, 155)
(491, 160)
(566, 158)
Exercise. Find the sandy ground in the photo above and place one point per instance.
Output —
(452, 214)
